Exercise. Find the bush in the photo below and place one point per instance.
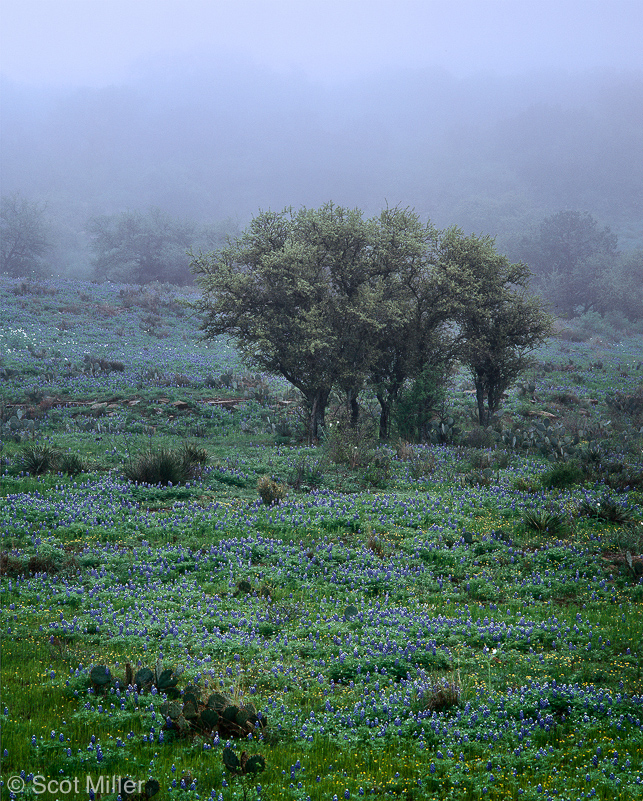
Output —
(377, 470)
(348, 444)
(543, 521)
(422, 464)
(162, 466)
(562, 476)
(38, 458)
(165, 466)
(72, 464)
(193, 457)
(270, 491)
(307, 473)
(417, 403)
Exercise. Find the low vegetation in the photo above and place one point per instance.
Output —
(199, 604)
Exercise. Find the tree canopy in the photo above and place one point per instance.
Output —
(330, 300)
(25, 238)
(568, 255)
(500, 321)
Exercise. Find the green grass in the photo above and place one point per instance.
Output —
(358, 593)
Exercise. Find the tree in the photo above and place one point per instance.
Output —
(417, 337)
(25, 238)
(499, 321)
(619, 285)
(328, 299)
(138, 248)
(566, 256)
(300, 293)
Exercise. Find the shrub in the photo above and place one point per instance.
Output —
(377, 470)
(404, 451)
(417, 403)
(307, 473)
(72, 464)
(270, 491)
(193, 457)
(162, 466)
(479, 438)
(423, 465)
(608, 510)
(441, 696)
(544, 521)
(348, 444)
(165, 466)
(563, 475)
(37, 458)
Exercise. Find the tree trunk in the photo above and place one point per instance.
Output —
(354, 408)
(318, 403)
(385, 417)
(482, 414)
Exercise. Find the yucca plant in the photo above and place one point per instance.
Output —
(544, 521)
(37, 458)
(72, 464)
(162, 466)
(193, 457)
(607, 509)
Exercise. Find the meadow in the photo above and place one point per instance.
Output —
(459, 619)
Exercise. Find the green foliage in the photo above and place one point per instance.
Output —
(248, 765)
(574, 262)
(417, 404)
(37, 458)
(307, 473)
(500, 322)
(193, 713)
(349, 443)
(161, 466)
(193, 457)
(163, 679)
(138, 248)
(165, 465)
(330, 300)
(25, 239)
(563, 475)
(544, 521)
(441, 696)
(270, 491)
(607, 509)
(72, 464)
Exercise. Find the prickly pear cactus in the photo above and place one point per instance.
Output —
(100, 677)
(192, 714)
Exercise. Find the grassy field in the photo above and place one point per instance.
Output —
(454, 620)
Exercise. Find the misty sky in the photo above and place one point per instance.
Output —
(101, 42)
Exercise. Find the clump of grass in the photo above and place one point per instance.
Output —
(375, 544)
(404, 450)
(37, 458)
(161, 466)
(270, 491)
(422, 464)
(526, 485)
(628, 539)
(193, 458)
(607, 509)
(166, 466)
(443, 695)
(562, 476)
(543, 521)
(307, 473)
(72, 464)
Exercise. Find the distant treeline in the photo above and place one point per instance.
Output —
(217, 141)
(575, 263)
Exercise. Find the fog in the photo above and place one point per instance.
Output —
(492, 144)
